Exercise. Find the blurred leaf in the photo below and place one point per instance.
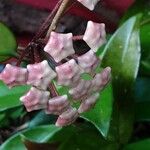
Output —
(142, 6)
(141, 145)
(41, 118)
(9, 98)
(100, 115)
(8, 43)
(122, 54)
(142, 97)
(38, 134)
(82, 137)
(38, 146)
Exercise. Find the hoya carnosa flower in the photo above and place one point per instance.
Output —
(88, 61)
(95, 35)
(58, 105)
(12, 75)
(90, 4)
(40, 74)
(35, 99)
(88, 103)
(101, 80)
(68, 117)
(81, 89)
(68, 74)
(60, 46)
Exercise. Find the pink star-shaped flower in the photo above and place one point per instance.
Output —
(60, 46)
(68, 74)
(90, 4)
(67, 117)
(88, 61)
(12, 75)
(58, 105)
(40, 74)
(95, 35)
(35, 99)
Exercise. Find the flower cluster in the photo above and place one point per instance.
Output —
(39, 75)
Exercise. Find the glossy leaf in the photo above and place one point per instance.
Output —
(9, 98)
(37, 134)
(140, 145)
(83, 137)
(142, 98)
(122, 54)
(100, 115)
(7, 43)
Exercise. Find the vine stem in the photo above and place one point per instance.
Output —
(59, 13)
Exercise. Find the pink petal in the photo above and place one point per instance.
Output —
(95, 35)
(68, 73)
(88, 103)
(67, 117)
(58, 105)
(35, 99)
(88, 61)
(90, 4)
(60, 46)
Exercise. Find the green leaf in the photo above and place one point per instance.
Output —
(9, 98)
(142, 97)
(38, 134)
(8, 43)
(100, 115)
(122, 54)
(83, 137)
(140, 145)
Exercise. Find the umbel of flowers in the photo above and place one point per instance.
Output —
(40, 75)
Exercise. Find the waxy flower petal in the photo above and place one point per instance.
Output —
(95, 35)
(12, 75)
(68, 74)
(101, 80)
(35, 99)
(81, 89)
(90, 4)
(88, 61)
(58, 105)
(59, 46)
(88, 103)
(40, 74)
(67, 117)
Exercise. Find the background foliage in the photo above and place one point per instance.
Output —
(122, 105)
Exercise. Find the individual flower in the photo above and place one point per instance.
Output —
(68, 74)
(12, 75)
(88, 103)
(67, 117)
(90, 4)
(95, 35)
(58, 105)
(59, 46)
(40, 74)
(35, 99)
(88, 61)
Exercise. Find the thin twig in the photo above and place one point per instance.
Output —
(59, 13)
